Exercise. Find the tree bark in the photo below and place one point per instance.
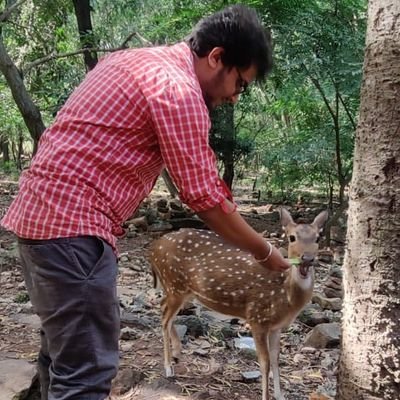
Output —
(87, 39)
(370, 351)
(223, 140)
(5, 149)
(29, 111)
(173, 191)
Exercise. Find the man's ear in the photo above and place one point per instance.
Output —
(215, 57)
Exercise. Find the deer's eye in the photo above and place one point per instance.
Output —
(292, 238)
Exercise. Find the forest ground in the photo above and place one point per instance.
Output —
(210, 367)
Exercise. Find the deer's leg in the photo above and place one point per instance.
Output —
(261, 341)
(176, 344)
(274, 348)
(170, 306)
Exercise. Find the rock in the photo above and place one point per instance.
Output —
(124, 257)
(178, 214)
(176, 205)
(162, 204)
(332, 293)
(162, 383)
(16, 378)
(312, 317)
(132, 320)
(324, 336)
(126, 346)
(162, 210)
(201, 352)
(227, 332)
(251, 376)
(181, 330)
(132, 228)
(334, 283)
(325, 256)
(31, 320)
(308, 350)
(140, 223)
(336, 271)
(195, 326)
(125, 380)
(334, 304)
(246, 346)
(193, 222)
(151, 215)
(128, 334)
(333, 287)
(160, 227)
(164, 216)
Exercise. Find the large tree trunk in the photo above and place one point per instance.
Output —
(223, 139)
(82, 12)
(370, 356)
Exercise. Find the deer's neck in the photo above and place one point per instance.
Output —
(300, 289)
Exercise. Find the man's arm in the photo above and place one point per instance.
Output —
(234, 229)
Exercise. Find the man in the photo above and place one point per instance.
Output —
(136, 112)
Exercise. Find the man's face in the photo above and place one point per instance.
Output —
(225, 84)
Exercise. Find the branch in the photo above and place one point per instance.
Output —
(8, 11)
(321, 91)
(344, 105)
(53, 56)
(139, 36)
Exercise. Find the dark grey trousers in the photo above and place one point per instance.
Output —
(72, 286)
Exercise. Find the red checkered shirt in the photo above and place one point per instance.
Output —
(137, 111)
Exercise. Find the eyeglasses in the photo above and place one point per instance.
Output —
(241, 83)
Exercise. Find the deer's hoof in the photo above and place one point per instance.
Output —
(169, 371)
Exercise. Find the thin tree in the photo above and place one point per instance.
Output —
(86, 36)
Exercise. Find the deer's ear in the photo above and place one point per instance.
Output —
(320, 219)
(286, 218)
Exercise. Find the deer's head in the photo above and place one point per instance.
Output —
(302, 239)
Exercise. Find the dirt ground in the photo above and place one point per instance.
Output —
(210, 368)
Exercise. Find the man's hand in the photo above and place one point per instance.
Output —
(275, 261)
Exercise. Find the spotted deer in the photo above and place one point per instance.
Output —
(199, 264)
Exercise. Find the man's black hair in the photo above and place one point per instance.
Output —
(239, 31)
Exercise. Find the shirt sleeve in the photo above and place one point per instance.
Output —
(182, 124)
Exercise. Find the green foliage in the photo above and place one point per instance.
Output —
(290, 130)
(21, 298)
